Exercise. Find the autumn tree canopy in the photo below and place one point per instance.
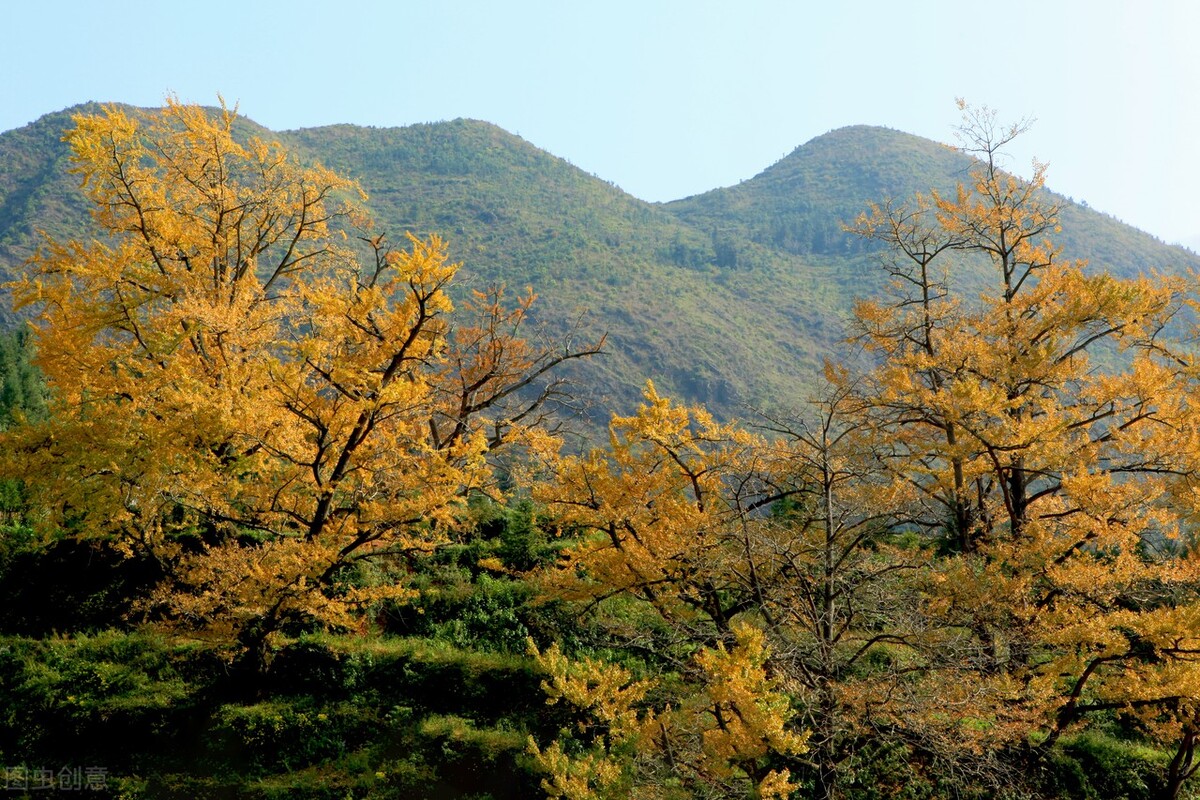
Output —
(240, 394)
(1044, 431)
(973, 547)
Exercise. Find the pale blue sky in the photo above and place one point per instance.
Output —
(666, 98)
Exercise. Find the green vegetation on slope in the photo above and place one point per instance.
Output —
(635, 618)
(729, 298)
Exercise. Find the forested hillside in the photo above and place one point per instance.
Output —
(731, 298)
(287, 508)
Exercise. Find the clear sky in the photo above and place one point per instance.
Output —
(666, 98)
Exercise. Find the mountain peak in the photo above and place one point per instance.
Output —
(887, 162)
(736, 295)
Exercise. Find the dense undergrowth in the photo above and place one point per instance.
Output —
(435, 701)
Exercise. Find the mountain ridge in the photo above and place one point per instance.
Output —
(732, 297)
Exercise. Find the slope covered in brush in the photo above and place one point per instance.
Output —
(732, 297)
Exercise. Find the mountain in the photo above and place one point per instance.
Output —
(710, 329)
(730, 297)
(799, 204)
(37, 191)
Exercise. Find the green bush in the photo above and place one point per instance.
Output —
(1098, 766)
(82, 699)
(278, 736)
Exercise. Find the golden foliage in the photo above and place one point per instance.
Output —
(717, 733)
(229, 374)
(1054, 469)
(656, 507)
(747, 711)
(610, 725)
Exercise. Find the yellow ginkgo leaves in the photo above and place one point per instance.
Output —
(246, 394)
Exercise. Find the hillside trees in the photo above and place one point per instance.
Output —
(22, 390)
(661, 515)
(778, 548)
(962, 555)
(1043, 433)
(241, 397)
(979, 544)
(839, 607)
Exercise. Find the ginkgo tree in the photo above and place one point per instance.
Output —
(1044, 433)
(659, 517)
(253, 387)
(766, 560)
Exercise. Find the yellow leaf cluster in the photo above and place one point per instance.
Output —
(230, 371)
